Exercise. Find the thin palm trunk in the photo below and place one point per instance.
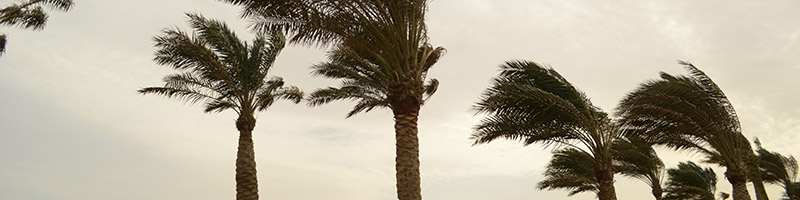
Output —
(407, 149)
(738, 179)
(658, 193)
(758, 186)
(246, 178)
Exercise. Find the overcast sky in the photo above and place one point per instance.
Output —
(72, 126)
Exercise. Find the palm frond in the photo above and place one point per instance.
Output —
(690, 181)
(572, 170)
(220, 69)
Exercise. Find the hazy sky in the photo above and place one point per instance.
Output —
(72, 126)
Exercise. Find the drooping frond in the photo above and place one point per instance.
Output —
(219, 69)
(686, 112)
(531, 103)
(777, 169)
(635, 158)
(690, 182)
(570, 169)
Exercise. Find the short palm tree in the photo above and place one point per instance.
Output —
(637, 159)
(29, 14)
(534, 104)
(690, 182)
(690, 112)
(224, 73)
(382, 55)
(570, 169)
(778, 169)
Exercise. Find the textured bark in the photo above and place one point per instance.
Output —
(604, 172)
(738, 179)
(246, 179)
(407, 149)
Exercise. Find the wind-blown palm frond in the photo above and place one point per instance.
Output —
(534, 104)
(635, 158)
(778, 169)
(570, 169)
(690, 182)
(364, 81)
(29, 15)
(692, 113)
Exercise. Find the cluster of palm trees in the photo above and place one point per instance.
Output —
(531, 103)
(381, 53)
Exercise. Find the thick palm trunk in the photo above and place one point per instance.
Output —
(604, 172)
(246, 179)
(738, 179)
(407, 149)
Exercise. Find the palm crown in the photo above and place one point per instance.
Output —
(220, 70)
(689, 112)
(535, 104)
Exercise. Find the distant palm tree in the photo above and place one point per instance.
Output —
(690, 182)
(225, 73)
(778, 169)
(382, 55)
(570, 169)
(535, 104)
(29, 14)
(636, 158)
(690, 112)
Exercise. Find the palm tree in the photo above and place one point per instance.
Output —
(778, 169)
(690, 182)
(570, 169)
(690, 112)
(382, 56)
(225, 73)
(29, 15)
(535, 104)
(637, 159)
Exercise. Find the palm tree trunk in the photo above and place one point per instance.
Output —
(755, 176)
(605, 177)
(407, 149)
(758, 186)
(738, 179)
(246, 179)
(658, 193)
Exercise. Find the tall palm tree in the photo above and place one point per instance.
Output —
(637, 159)
(570, 169)
(29, 15)
(226, 74)
(690, 112)
(382, 55)
(778, 169)
(690, 182)
(535, 104)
